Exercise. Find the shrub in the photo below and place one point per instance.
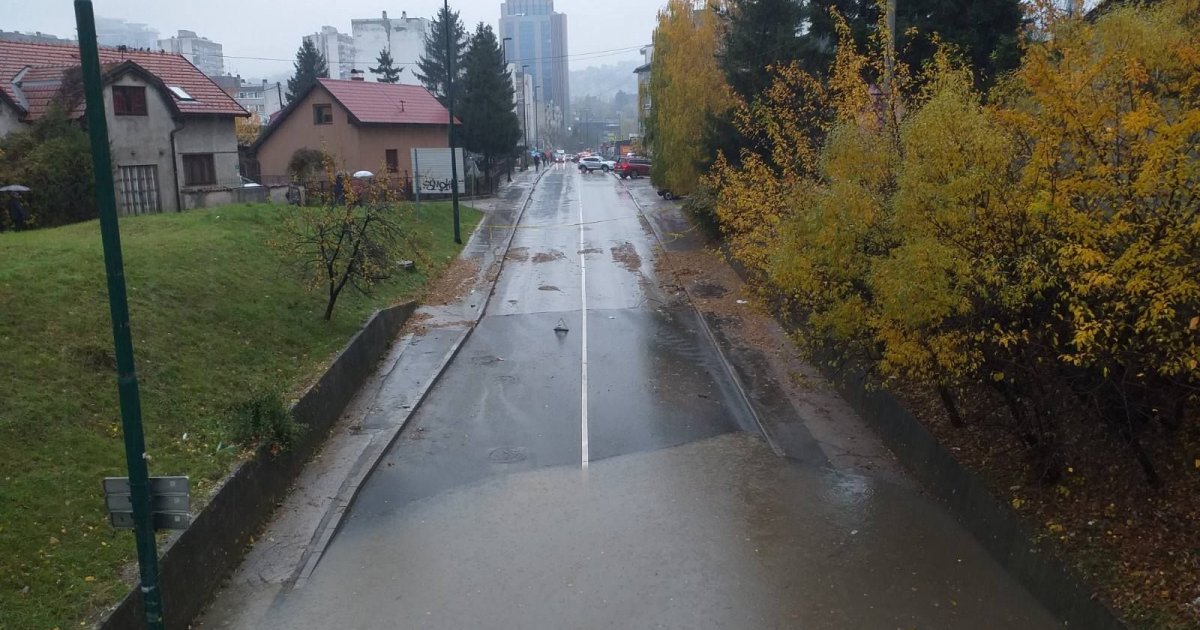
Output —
(53, 158)
(264, 419)
(1044, 246)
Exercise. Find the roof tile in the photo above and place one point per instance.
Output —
(387, 103)
(170, 68)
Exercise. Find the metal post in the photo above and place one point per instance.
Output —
(889, 59)
(504, 47)
(537, 142)
(127, 383)
(524, 118)
(417, 176)
(450, 109)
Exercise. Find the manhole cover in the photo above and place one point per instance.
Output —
(507, 454)
(708, 290)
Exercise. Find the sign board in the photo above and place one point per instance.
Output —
(431, 171)
(158, 502)
(170, 500)
(162, 520)
(158, 485)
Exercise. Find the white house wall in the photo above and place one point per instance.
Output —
(143, 140)
(8, 120)
(213, 135)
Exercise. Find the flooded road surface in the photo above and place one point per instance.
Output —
(608, 474)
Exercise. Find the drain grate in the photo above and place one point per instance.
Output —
(507, 454)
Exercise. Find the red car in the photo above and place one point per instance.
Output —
(632, 167)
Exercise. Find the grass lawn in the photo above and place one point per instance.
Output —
(215, 315)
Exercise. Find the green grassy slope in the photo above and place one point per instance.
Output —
(215, 315)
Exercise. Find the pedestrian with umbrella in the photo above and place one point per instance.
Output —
(17, 216)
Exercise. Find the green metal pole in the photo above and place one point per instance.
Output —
(450, 108)
(127, 384)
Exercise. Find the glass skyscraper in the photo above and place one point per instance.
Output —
(539, 40)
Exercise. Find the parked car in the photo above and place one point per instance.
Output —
(594, 163)
(632, 167)
(667, 194)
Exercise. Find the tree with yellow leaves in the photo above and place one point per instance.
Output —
(685, 87)
(248, 129)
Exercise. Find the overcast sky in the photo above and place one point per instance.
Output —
(599, 31)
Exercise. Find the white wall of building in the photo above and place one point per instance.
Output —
(8, 120)
(205, 54)
(523, 100)
(264, 99)
(338, 50)
(403, 36)
(116, 32)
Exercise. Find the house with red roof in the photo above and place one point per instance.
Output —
(364, 126)
(171, 129)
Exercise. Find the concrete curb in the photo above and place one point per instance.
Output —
(373, 455)
(712, 338)
(194, 564)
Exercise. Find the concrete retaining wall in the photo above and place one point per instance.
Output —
(195, 563)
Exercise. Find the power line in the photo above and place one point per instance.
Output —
(585, 55)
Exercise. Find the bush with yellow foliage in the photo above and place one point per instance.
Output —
(1041, 241)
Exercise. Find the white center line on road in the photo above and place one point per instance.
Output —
(583, 299)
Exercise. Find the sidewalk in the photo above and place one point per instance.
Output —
(289, 549)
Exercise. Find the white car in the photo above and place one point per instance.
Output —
(594, 163)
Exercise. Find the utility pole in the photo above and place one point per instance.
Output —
(524, 118)
(537, 143)
(504, 47)
(889, 59)
(118, 304)
(450, 109)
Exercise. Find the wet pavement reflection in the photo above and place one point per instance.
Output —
(718, 533)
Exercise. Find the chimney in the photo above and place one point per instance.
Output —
(385, 15)
(356, 75)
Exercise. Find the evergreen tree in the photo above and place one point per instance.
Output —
(490, 126)
(984, 31)
(310, 66)
(386, 68)
(433, 67)
(761, 33)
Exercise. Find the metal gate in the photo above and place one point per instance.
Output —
(139, 190)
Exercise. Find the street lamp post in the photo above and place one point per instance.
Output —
(537, 142)
(450, 112)
(524, 117)
(504, 47)
(118, 304)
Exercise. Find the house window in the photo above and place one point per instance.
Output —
(139, 189)
(129, 100)
(198, 170)
(322, 114)
(393, 160)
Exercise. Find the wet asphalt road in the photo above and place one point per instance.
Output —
(619, 482)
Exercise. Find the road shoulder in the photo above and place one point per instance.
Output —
(289, 548)
(799, 411)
